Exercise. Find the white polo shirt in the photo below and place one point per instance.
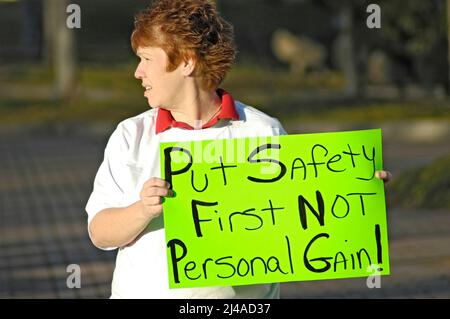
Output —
(131, 158)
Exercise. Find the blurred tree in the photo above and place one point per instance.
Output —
(31, 27)
(414, 26)
(60, 47)
(346, 38)
(448, 46)
(344, 46)
(413, 33)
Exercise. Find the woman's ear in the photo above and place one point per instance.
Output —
(188, 67)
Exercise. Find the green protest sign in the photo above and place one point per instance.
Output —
(275, 209)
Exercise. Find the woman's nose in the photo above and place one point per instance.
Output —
(139, 73)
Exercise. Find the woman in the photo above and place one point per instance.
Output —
(185, 50)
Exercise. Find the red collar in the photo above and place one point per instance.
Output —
(165, 120)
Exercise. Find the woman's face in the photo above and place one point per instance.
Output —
(162, 88)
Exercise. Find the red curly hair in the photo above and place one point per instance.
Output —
(188, 29)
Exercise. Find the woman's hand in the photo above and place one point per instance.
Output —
(386, 176)
(151, 196)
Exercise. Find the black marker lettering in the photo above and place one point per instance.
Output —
(338, 261)
(220, 221)
(277, 265)
(272, 211)
(358, 254)
(219, 262)
(313, 157)
(293, 167)
(195, 217)
(187, 269)
(302, 209)
(266, 160)
(242, 260)
(307, 261)
(378, 240)
(331, 161)
(222, 167)
(168, 173)
(193, 186)
(350, 152)
(252, 263)
(372, 159)
(204, 266)
(346, 204)
(173, 255)
(245, 213)
(289, 253)
(362, 200)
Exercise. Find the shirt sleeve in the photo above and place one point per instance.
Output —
(108, 183)
(277, 128)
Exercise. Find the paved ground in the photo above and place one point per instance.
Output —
(45, 182)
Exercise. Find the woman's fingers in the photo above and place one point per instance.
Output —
(386, 176)
(152, 200)
(156, 182)
(152, 194)
(156, 191)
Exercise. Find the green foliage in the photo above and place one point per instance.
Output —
(413, 27)
(423, 187)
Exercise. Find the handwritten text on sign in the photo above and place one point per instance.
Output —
(274, 209)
